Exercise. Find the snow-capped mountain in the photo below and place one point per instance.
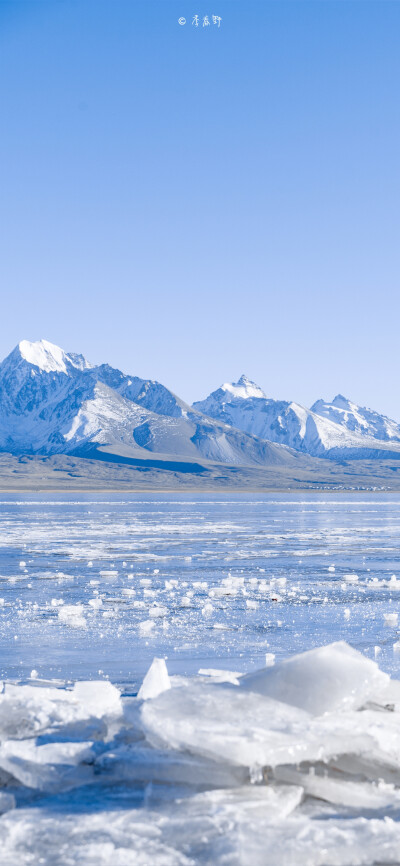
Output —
(326, 430)
(358, 419)
(54, 402)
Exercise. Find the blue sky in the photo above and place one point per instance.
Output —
(193, 203)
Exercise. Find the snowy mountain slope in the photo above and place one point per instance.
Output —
(358, 419)
(41, 387)
(53, 402)
(110, 419)
(244, 405)
(149, 394)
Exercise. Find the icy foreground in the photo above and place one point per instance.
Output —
(294, 764)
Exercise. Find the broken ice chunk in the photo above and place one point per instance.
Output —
(72, 615)
(225, 723)
(50, 767)
(157, 610)
(358, 794)
(351, 578)
(99, 697)
(156, 680)
(146, 627)
(391, 619)
(320, 680)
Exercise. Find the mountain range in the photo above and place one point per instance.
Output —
(54, 402)
(337, 430)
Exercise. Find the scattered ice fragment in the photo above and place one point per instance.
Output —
(391, 619)
(346, 613)
(396, 647)
(351, 578)
(171, 584)
(72, 615)
(156, 680)
(208, 609)
(146, 627)
(22, 564)
(331, 568)
(269, 659)
(157, 610)
(95, 603)
(34, 674)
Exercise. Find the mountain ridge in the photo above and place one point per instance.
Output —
(56, 402)
(337, 430)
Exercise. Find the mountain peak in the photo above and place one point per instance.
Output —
(341, 402)
(243, 388)
(48, 357)
(42, 354)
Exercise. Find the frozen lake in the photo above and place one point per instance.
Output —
(295, 764)
(104, 584)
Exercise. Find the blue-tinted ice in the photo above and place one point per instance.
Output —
(265, 757)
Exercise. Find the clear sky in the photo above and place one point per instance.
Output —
(192, 203)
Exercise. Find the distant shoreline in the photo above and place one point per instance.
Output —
(196, 490)
(28, 474)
